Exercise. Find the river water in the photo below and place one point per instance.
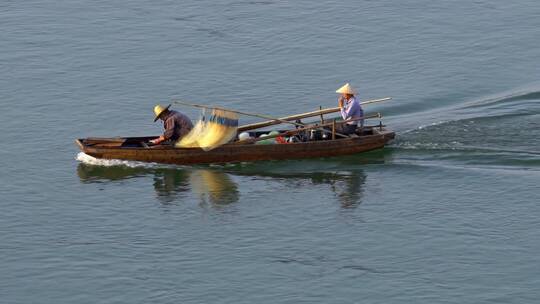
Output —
(447, 213)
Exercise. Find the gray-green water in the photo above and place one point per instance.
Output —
(448, 213)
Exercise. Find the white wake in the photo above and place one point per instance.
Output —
(89, 160)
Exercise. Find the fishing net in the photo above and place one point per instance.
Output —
(211, 131)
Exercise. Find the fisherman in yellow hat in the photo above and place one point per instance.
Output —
(350, 109)
(176, 125)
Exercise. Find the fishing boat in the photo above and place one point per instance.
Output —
(330, 144)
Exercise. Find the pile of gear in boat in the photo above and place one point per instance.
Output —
(301, 136)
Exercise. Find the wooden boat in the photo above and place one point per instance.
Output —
(136, 149)
(365, 139)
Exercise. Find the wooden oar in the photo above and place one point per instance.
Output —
(275, 120)
(293, 132)
(300, 116)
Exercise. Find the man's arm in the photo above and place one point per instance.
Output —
(169, 131)
(169, 128)
(342, 107)
(347, 110)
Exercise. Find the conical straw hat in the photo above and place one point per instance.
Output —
(346, 89)
(158, 110)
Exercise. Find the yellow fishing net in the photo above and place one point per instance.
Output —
(211, 132)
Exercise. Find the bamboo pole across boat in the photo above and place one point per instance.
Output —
(276, 121)
(300, 116)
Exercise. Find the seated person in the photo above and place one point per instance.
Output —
(350, 109)
(176, 125)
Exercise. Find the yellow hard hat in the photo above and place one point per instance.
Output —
(346, 89)
(158, 110)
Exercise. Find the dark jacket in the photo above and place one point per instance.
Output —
(176, 125)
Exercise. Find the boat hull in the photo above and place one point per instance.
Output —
(236, 152)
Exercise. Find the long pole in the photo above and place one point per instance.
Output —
(277, 120)
(301, 115)
(237, 112)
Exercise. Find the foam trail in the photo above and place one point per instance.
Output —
(89, 160)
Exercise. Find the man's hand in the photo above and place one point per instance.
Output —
(156, 141)
(340, 102)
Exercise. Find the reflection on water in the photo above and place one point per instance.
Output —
(345, 185)
(169, 184)
(215, 186)
(211, 186)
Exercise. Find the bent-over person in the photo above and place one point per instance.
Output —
(176, 125)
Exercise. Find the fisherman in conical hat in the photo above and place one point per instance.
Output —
(176, 125)
(350, 109)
